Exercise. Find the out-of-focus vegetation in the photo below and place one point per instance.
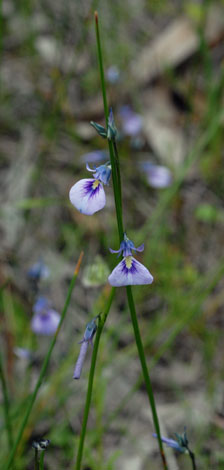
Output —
(50, 90)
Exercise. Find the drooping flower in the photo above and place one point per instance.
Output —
(129, 271)
(88, 195)
(131, 122)
(40, 444)
(45, 320)
(181, 444)
(158, 176)
(90, 331)
(38, 271)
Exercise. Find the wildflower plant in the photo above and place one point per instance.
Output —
(180, 445)
(128, 272)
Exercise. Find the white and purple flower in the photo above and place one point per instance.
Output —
(90, 331)
(45, 320)
(88, 195)
(129, 272)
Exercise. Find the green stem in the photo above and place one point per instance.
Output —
(42, 460)
(117, 194)
(6, 405)
(36, 460)
(101, 323)
(44, 366)
(114, 164)
(145, 370)
(193, 461)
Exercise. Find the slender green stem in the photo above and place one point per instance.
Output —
(42, 455)
(193, 461)
(101, 323)
(117, 194)
(6, 405)
(114, 164)
(145, 370)
(44, 366)
(36, 460)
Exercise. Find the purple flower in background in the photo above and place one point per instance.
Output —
(129, 271)
(88, 195)
(38, 271)
(22, 353)
(113, 74)
(94, 157)
(45, 320)
(158, 176)
(90, 331)
(131, 122)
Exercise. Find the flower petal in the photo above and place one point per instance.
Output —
(129, 272)
(80, 360)
(140, 248)
(87, 196)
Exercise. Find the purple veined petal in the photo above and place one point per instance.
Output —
(87, 196)
(80, 360)
(129, 272)
(45, 323)
(140, 248)
(115, 251)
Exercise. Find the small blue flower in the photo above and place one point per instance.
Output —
(129, 271)
(38, 271)
(45, 320)
(88, 195)
(172, 443)
(90, 331)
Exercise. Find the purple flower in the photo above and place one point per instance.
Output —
(90, 331)
(88, 195)
(129, 271)
(38, 271)
(158, 176)
(172, 443)
(131, 121)
(45, 320)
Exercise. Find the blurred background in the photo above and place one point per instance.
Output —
(164, 72)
